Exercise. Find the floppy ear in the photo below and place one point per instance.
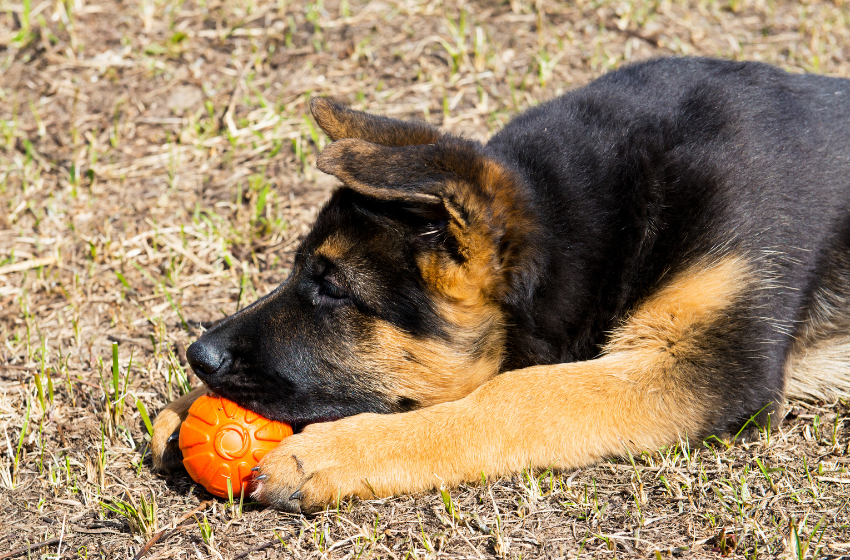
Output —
(446, 174)
(338, 121)
(401, 173)
(491, 216)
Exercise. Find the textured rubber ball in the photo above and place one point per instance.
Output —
(221, 440)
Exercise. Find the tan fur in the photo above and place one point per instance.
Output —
(433, 371)
(477, 279)
(818, 367)
(166, 423)
(670, 319)
(334, 248)
(338, 122)
(819, 370)
(633, 397)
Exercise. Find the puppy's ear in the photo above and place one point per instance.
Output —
(490, 214)
(452, 172)
(399, 173)
(338, 121)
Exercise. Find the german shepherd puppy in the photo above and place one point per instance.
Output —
(662, 254)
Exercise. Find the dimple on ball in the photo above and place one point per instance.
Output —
(221, 440)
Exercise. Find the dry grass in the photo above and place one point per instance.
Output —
(157, 169)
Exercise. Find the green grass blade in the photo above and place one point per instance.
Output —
(143, 412)
(115, 374)
(24, 429)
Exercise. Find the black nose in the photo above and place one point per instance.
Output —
(208, 359)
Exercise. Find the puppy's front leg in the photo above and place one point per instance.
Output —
(659, 378)
(166, 454)
(564, 416)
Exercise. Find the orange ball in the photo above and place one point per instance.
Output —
(220, 440)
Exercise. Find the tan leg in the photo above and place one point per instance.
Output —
(560, 416)
(166, 454)
(645, 392)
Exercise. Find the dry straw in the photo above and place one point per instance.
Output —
(156, 173)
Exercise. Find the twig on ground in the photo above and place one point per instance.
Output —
(22, 550)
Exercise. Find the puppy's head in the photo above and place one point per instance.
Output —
(399, 293)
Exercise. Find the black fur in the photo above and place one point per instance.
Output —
(625, 182)
(293, 353)
(660, 163)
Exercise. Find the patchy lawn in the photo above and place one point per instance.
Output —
(157, 170)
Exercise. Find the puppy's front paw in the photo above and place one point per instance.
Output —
(164, 449)
(318, 466)
(166, 429)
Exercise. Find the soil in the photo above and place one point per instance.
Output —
(157, 170)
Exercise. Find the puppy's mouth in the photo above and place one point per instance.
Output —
(297, 423)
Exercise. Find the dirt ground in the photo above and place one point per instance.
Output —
(157, 169)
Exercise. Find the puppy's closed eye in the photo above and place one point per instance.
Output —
(330, 288)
